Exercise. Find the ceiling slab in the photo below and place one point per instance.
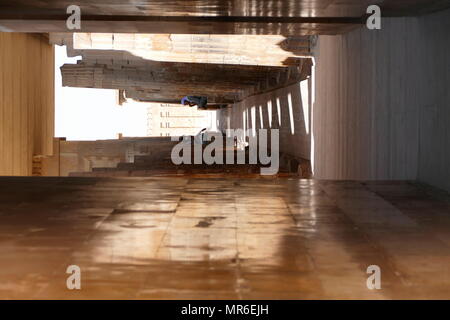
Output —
(287, 17)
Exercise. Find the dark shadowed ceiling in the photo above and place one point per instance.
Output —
(287, 17)
(256, 8)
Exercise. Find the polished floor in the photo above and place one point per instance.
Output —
(180, 238)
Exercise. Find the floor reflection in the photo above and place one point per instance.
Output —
(153, 238)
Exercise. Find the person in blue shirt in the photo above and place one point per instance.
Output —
(198, 101)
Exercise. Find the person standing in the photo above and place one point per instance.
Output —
(198, 101)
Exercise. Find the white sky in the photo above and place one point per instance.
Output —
(93, 114)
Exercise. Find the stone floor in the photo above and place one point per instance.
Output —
(155, 238)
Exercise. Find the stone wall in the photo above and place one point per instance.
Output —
(382, 108)
(286, 109)
(26, 101)
(84, 156)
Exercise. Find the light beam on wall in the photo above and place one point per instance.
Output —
(261, 120)
(304, 94)
(291, 113)
(279, 112)
(253, 119)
